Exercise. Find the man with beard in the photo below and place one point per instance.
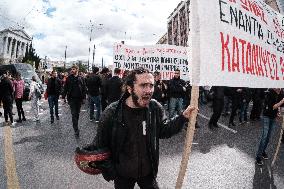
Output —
(75, 89)
(131, 128)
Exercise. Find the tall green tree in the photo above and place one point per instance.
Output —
(31, 57)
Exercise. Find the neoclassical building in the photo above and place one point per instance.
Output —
(13, 43)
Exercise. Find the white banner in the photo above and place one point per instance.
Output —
(238, 43)
(162, 58)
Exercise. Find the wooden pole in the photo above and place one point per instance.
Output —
(279, 143)
(189, 137)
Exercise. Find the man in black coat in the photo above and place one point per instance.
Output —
(131, 129)
(218, 104)
(53, 91)
(75, 89)
(159, 88)
(94, 85)
(176, 91)
(113, 88)
(6, 88)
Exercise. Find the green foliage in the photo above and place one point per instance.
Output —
(31, 57)
(82, 67)
(59, 69)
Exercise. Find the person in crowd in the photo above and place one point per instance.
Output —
(237, 97)
(273, 100)
(245, 100)
(53, 90)
(159, 88)
(94, 85)
(75, 90)
(218, 104)
(176, 93)
(257, 99)
(19, 86)
(114, 87)
(131, 129)
(7, 91)
(34, 96)
(104, 76)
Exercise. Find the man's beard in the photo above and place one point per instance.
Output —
(135, 98)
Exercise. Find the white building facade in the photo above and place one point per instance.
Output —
(13, 44)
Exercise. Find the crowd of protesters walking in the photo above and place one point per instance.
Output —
(103, 87)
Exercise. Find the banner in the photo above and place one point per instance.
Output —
(162, 58)
(237, 43)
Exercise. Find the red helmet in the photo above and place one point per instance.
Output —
(90, 159)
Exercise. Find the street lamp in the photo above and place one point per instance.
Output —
(92, 25)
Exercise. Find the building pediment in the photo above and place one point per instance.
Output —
(20, 33)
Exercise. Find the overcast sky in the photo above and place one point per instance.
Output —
(53, 24)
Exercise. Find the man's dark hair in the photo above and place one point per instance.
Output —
(95, 69)
(177, 70)
(131, 77)
(117, 70)
(104, 70)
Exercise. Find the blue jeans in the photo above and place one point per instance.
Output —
(268, 125)
(97, 101)
(53, 102)
(175, 104)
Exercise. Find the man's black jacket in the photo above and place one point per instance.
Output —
(73, 83)
(94, 84)
(176, 88)
(113, 89)
(112, 131)
(54, 90)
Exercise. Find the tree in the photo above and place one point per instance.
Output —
(31, 57)
(82, 67)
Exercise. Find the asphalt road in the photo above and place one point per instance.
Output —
(223, 158)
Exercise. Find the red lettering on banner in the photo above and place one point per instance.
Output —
(254, 8)
(260, 70)
(253, 60)
(273, 70)
(265, 60)
(167, 75)
(282, 67)
(225, 48)
(249, 65)
(235, 62)
(254, 54)
(243, 42)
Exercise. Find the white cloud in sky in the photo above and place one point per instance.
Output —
(57, 23)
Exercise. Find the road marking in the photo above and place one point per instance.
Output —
(221, 125)
(10, 163)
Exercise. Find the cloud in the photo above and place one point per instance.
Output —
(56, 23)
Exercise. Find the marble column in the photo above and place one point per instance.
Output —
(15, 49)
(18, 48)
(24, 49)
(4, 45)
(10, 47)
